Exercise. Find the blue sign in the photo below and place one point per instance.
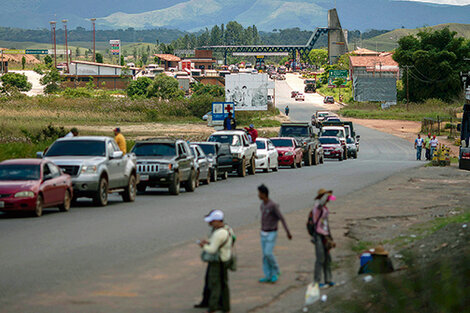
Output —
(220, 110)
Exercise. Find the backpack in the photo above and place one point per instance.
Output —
(311, 224)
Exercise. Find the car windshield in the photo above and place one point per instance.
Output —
(208, 149)
(330, 141)
(232, 140)
(294, 131)
(261, 145)
(77, 148)
(322, 114)
(154, 149)
(332, 133)
(350, 140)
(282, 142)
(19, 172)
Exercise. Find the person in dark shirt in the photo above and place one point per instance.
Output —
(229, 122)
(270, 217)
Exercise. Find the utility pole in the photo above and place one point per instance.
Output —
(53, 25)
(93, 20)
(407, 67)
(66, 45)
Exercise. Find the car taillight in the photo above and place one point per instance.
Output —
(466, 155)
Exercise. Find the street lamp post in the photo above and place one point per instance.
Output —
(53, 25)
(93, 20)
(66, 46)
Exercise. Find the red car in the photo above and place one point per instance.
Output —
(332, 147)
(289, 151)
(293, 94)
(32, 185)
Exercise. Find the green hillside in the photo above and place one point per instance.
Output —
(388, 41)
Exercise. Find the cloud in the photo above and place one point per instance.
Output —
(452, 2)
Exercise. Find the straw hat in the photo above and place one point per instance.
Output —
(322, 191)
(379, 250)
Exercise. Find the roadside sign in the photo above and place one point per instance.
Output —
(37, 51)
(220, 110)
(115, 47)
(335, 74)
(14, 51)
(59, 52)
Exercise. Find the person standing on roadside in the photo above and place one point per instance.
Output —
(322, 239)
(219, 244)
(286, 110)
(419, 147)
(229, 122)
(427, 145)
(73, 133)
(433, 143)
(270, 217)
(120, 140)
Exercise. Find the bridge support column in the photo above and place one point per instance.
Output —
(337, 41)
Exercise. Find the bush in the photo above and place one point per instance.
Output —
(48, 133)
(200, 105)
(139, 87)
(80, 92)
(19, 81)
(210, 90)
(165, 88)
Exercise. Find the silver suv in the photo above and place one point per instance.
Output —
(97, 167)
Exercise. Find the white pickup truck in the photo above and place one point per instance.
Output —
(336, 131)
(243, 151)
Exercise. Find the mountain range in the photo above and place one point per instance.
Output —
(193, 15)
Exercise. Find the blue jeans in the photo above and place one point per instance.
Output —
(432, 152)
(270, 266)
(419, 150)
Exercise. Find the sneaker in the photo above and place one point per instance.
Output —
(323, 286)
(265, 280)
(274, 279)
(331, 284)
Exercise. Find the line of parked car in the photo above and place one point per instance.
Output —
(93, 166)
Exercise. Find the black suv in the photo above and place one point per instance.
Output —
(220, 157)
(165, 162)
(304, 133)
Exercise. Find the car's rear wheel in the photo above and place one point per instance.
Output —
(130, 191)
(39, 206)
(174, 188)
(308, 159)
(65, 206)
(241, 171)
(214, 175)
(252, 169)
(101, 196)
(224, 176)
(190, 184)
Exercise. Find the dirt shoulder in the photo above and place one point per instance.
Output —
(404, 129)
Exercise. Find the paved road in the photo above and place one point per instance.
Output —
(59, 252)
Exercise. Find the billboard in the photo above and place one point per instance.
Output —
(248, 92)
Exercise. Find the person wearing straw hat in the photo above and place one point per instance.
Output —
(379, 262)
(322, 237)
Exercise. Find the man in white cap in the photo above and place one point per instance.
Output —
(220, 242)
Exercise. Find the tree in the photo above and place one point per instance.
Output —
(99, 58)
(338, 82)
(165, 87)
(433, 60)
(216, 36)
(77, 52)
(51, 80)
(15, 81)
(234, 33)
(48, 60)
(139, 87)
(318, 57)
(23, 61)
(211, 90)
(122, 60)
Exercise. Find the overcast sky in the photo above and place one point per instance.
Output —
(455, 2)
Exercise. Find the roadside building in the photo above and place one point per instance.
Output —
(374, 77)
(203, 60)
(168, 61)
(104, 76)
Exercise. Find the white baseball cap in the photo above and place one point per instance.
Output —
(214, 215)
